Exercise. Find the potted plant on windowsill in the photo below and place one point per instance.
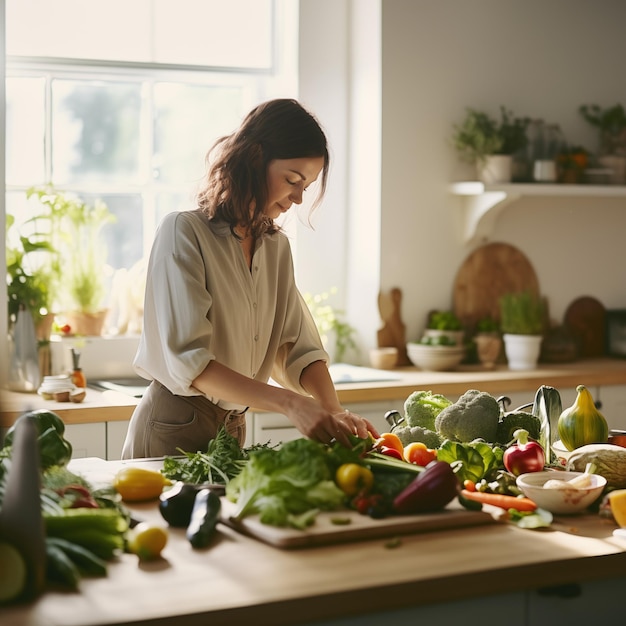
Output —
(611, 124)
(76, 232)
(522, 320)
(490, 144)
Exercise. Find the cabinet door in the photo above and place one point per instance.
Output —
(613, 405)
(87, 440)
(116, 433)
(594, 602)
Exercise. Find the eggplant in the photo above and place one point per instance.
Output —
(431, 490)
(176, 504)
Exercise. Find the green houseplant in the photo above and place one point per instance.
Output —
(330, 324)
(75, 231)
(480, 138)
(522, 320)
(32, 274)
(611, 125)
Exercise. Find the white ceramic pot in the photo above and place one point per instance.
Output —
(497, 168)
(522, 351)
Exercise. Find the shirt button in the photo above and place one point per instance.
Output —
(256, 337)
(254, 305)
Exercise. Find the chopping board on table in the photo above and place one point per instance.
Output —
(358, 527)
(488, 273)
(393, 332)
(585, 319)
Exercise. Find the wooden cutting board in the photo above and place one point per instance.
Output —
(324, 531)
(585, 318)
(393, 332)
(486, 274)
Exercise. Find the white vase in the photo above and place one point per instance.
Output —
(522, 351)
(496, 168)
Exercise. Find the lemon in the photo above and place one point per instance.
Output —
(147, 540)
(617, 500)
(12, 572)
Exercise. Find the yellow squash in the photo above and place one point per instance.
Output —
(136, 484)
(582, 423)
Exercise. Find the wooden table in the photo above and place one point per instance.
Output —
(112, 406)
(239, 580)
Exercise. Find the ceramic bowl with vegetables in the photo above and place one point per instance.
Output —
(562, 492)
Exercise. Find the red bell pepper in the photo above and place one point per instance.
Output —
(524, 456)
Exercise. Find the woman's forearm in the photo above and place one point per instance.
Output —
(316, 379)
(219, 381)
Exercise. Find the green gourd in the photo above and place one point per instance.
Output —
(582, 423)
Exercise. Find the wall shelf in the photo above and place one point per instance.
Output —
(481, 204)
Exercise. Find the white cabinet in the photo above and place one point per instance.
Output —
(613, 405)
(596, 602)
(115, 435)
(87, 440)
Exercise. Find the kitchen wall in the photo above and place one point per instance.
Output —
(541, 58)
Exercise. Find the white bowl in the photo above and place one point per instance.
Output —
(435, 358)
(569, 500)
(455, 336)
(562, 453)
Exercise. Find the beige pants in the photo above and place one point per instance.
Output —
(164, 422)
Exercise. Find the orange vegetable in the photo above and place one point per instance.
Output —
(418, 453)
(389, 440)
(470, 485)
(500, 500)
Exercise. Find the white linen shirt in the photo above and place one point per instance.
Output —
(202, 302)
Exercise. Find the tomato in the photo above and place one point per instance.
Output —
(392, 452)
(147, 540)
(389, 440)
(417, 452)
(353, 478)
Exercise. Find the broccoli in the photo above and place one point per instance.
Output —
(513, 420)
(409, 434)
(475, 415)
(422, 407)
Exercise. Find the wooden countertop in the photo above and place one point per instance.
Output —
(109, 406)
(239, 580)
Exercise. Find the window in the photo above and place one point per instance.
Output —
(120, 101)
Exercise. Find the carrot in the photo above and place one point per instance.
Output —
(500, 500)
(470, 485)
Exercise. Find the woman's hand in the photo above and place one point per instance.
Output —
(315, 422)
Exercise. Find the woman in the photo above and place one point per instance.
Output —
(222, 311)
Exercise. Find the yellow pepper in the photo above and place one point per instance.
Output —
(136, 484)
(353, 478)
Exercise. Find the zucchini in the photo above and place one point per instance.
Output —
(204, 518)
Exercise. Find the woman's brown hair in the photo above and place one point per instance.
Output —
(237, 164)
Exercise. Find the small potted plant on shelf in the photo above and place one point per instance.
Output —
(76, 233)
(490, 144)
(488, 341)
(522, 321)
(443, 328)
(611, 124)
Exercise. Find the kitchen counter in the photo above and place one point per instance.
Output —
(108, 406)
(240, 580)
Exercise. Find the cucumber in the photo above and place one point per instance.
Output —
(204, 518)
(85, 560)
(60, 568)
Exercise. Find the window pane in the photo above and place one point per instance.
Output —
(96, 132)
(188, 119)
(124, 236)
(25, 123)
